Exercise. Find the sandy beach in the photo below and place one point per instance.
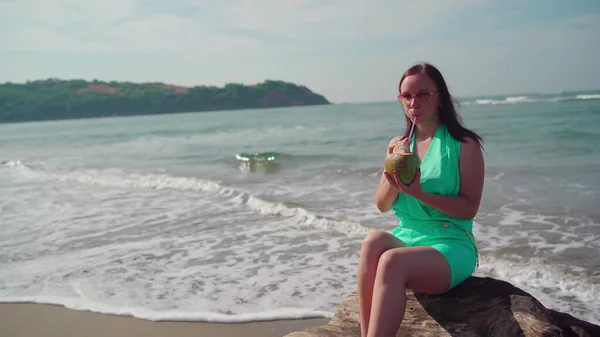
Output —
(35, 320)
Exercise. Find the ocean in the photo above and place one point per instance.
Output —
(234, 216)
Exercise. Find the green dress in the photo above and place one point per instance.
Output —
(423, 225)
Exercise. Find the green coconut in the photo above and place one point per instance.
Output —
(404, 162)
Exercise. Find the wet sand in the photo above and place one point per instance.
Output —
(35, 320)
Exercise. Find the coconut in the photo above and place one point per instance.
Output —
(403, 161)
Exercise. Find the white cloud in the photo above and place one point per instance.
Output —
(339, 19)
(561, 56)
(52, 13)
(107, 26)
(173, 34)
(127, 26)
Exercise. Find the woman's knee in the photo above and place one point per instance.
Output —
(376, 242)
(393, 264)
(419, 268)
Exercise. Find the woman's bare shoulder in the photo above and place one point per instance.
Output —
(471, 148)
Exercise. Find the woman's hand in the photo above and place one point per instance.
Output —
(395, 143)
(413, 189)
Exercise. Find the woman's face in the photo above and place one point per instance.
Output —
(419, 97)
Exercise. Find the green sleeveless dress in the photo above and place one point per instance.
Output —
(422, 225)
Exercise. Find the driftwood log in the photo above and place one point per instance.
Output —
(477, 307)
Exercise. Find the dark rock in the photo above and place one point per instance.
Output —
(477, 307)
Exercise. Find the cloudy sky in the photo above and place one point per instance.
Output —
(347, 50)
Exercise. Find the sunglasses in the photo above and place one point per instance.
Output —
(421, 97)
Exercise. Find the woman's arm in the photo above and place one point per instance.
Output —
(472, 172)
(386, 193)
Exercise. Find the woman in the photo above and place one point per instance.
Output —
(432, 250)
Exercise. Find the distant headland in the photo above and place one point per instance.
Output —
(54, 99)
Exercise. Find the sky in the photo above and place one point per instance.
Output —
(346, 50)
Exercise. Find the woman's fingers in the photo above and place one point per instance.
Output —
(391, 179)
(397, 179)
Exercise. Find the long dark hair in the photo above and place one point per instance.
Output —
(447, 112)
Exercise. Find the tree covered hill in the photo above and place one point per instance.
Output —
(53, 99)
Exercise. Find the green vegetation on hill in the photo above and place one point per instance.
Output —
(54, 99)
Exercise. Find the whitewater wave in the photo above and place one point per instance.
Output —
(593, 96)
(554, 286)
(529, 99)
(168, 182)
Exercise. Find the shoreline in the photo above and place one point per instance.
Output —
(33, 319)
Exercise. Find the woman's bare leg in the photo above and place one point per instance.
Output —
(375, 244)
(422, 269)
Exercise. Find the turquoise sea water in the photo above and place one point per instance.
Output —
(259, 214)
